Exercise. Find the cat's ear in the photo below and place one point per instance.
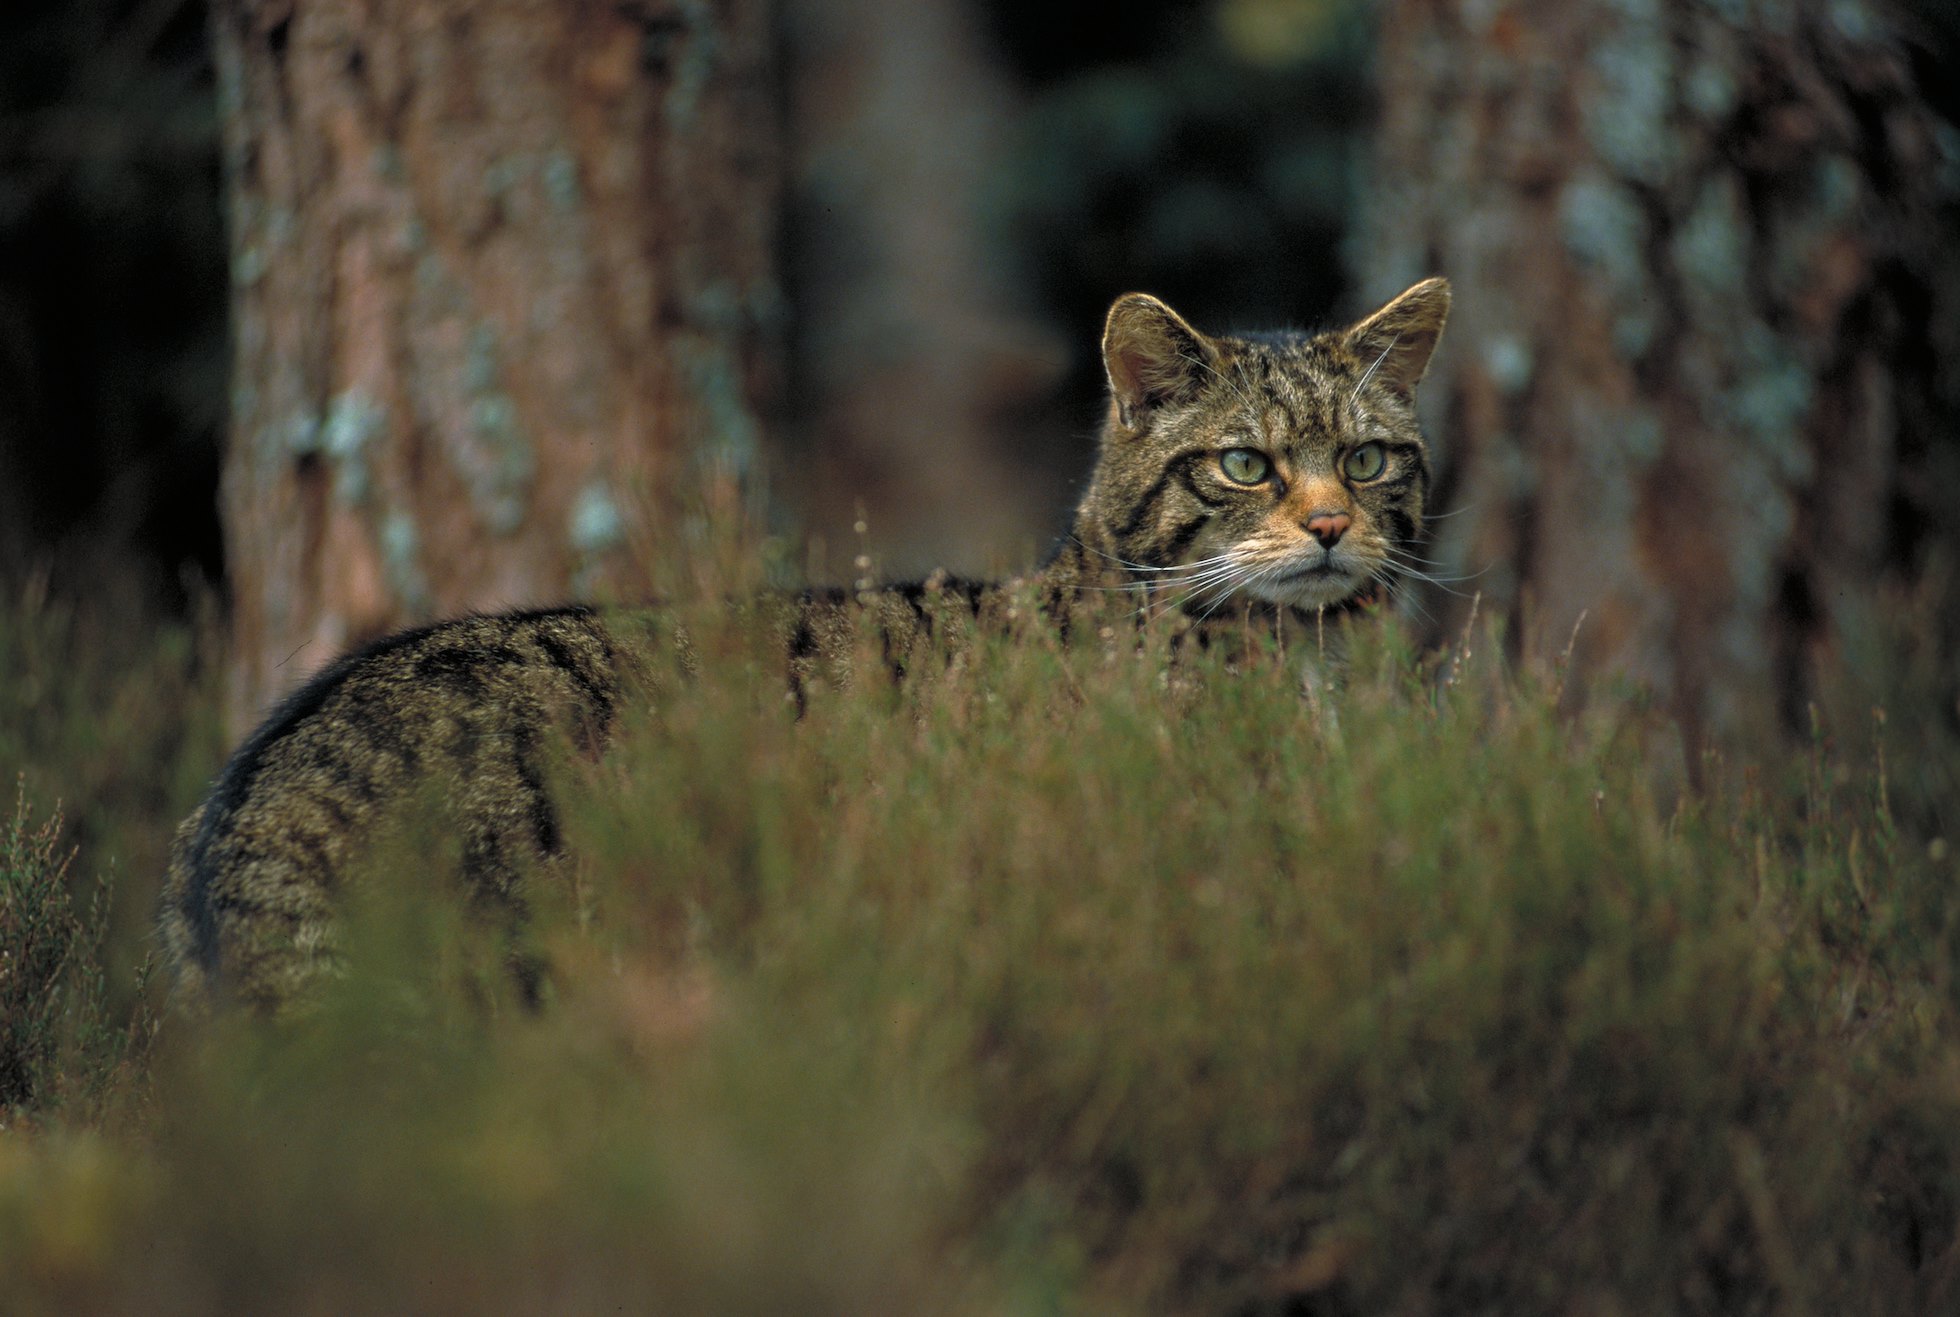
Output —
(1395, 343)
(1153, 357)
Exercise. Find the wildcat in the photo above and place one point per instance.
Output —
(1283, 473)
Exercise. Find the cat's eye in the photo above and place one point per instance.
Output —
(1248, 466)
(1365, 462)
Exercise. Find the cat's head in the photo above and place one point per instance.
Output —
(1286, 467)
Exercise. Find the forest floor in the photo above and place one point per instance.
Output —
(1063, 979)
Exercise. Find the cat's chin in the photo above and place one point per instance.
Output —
(1314, 588)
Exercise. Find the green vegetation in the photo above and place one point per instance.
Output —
(40, 932)
(1058, 980)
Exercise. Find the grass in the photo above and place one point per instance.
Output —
(41, 933)
(1058, 980)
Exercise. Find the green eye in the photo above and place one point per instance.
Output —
(1365, 462)
(1244, 465)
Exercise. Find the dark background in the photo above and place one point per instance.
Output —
(1147, 152)
(1206, 152)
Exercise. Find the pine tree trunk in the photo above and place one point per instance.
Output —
(504, 302)
(1685, 388)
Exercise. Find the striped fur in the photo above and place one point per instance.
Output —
(465, 716)
(465, 710)
(1162, 511)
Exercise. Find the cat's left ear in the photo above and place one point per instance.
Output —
(1395, 343)
(1153, 357)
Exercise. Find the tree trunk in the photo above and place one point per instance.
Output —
(504, 303)
(1686, 387)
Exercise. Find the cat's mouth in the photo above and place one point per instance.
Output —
(1321, 583)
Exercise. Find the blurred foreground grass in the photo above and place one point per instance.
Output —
(1051, 982)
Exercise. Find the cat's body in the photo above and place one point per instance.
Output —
(1284, 473)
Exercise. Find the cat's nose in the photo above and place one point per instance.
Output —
(1328, 527)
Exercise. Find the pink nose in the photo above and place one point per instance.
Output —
(1328, 527)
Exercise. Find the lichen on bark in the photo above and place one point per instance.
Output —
(1682, 392)
(469, 246)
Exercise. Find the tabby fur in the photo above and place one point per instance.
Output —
(465, 715)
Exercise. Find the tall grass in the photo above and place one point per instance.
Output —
(40, 934)
(109, 715)
(1082, 978)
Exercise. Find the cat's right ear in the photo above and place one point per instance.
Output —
(1153, 357)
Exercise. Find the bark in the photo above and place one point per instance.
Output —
(1687, 387)
(504, 303)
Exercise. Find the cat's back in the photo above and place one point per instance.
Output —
(461, 716)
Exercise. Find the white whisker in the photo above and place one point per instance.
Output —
(1387, 582)
(1354, 399)
(1406, 555)
(1146, 567)
(1439, 582)
(1405, 563)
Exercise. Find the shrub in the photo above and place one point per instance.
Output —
(40, 934)
(1071, 978)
